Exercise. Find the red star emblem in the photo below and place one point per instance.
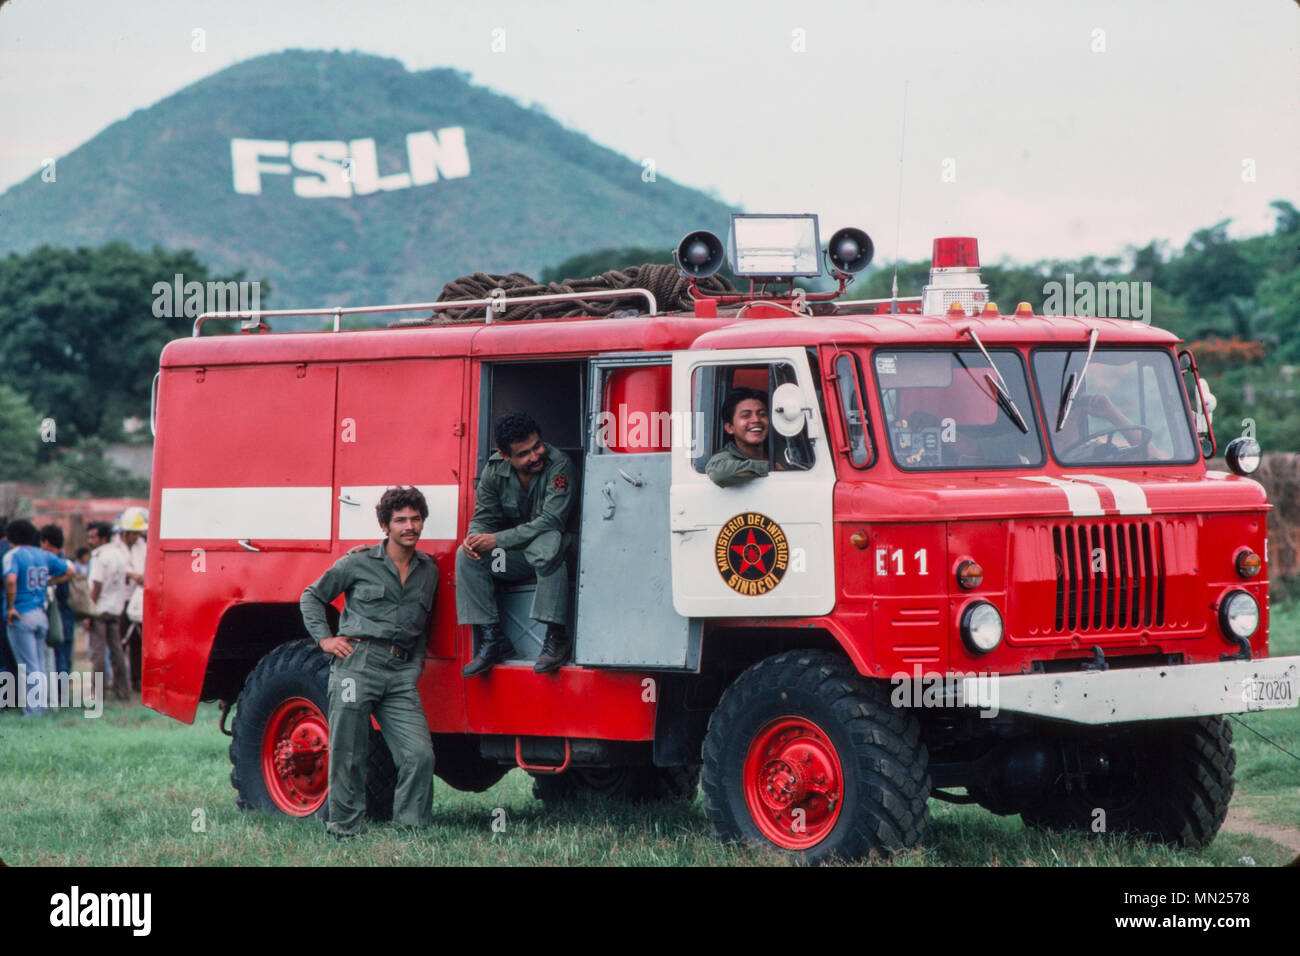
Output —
(559, 482)
(751, 554)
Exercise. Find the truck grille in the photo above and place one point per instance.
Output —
(1110, 576)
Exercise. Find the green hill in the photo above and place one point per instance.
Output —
(535, 193)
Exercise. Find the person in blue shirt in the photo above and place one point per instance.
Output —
(27, 572)
(52, 543)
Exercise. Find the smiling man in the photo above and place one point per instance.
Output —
(521, 506)
(378, 658)
(745, 419)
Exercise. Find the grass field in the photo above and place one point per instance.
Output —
(136, 788)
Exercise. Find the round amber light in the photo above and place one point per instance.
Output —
(1248, 563)
(969, 575)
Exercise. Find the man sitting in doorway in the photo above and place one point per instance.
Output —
(745, 419)
(522, 503)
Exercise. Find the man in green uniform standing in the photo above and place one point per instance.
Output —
(521, 506)
(378, 658)
(744, 418)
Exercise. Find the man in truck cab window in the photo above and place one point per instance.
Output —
(744, 457)
(521, 505)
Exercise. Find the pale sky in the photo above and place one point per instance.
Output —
(1046, 129)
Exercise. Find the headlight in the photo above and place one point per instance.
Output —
(1238, 614)
(981, 627)
(1242, 455)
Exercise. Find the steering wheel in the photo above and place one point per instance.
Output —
(1109, 443)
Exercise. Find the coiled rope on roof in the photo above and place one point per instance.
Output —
(664, 282)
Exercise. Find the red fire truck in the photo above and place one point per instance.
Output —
(989, 563)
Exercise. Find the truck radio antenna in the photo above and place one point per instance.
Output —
(898, 214)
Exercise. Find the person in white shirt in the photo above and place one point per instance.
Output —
(132, 525)
(110, 563)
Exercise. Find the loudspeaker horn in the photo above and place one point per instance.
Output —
(699, 255)
(850, 250)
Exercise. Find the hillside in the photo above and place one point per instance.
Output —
(521, 193)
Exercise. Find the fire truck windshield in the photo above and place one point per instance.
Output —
(945, 409)
(1129, 408)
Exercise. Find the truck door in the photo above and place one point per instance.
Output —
(762, 548)
(624, 575)
(400, 423)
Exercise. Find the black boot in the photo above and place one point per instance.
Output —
(555, 649)
(494, 647)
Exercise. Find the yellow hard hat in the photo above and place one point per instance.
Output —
(134, 519)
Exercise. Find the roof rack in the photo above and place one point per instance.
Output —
(252, 319)
(849, 305)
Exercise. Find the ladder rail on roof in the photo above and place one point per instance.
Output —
(500, 303)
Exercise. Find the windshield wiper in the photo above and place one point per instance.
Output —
(1001, 392)
(1071, 385)
(1006, 404)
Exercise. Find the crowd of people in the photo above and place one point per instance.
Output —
(50, 600)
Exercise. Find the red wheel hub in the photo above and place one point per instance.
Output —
(793, 782)
(295, 757)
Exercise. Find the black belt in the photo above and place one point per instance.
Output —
(394, 649)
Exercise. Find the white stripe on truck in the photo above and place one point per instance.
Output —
(294, 513)
(359, 523)
(1082, 499)
(1130, 499)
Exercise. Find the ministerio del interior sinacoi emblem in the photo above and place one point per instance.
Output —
(752, 553)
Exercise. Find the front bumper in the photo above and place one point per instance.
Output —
(1145, 693)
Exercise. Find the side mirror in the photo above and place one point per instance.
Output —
(788, 410)
(1201, 400)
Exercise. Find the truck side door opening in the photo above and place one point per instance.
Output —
(553, 393)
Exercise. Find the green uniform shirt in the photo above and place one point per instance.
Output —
(378, 604)
(726, 466)
(515, 514)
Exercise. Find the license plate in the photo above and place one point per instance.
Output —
(1271, 690)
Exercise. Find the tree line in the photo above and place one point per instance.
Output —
(80, 335)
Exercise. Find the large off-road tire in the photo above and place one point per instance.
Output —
(280, 744)
(806, 755)
(1171, 781)
(641, 784)
(457, 760)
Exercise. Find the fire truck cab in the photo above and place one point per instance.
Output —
(988, 554)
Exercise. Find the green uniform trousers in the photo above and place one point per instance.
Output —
(371, 679)
(476, 601)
